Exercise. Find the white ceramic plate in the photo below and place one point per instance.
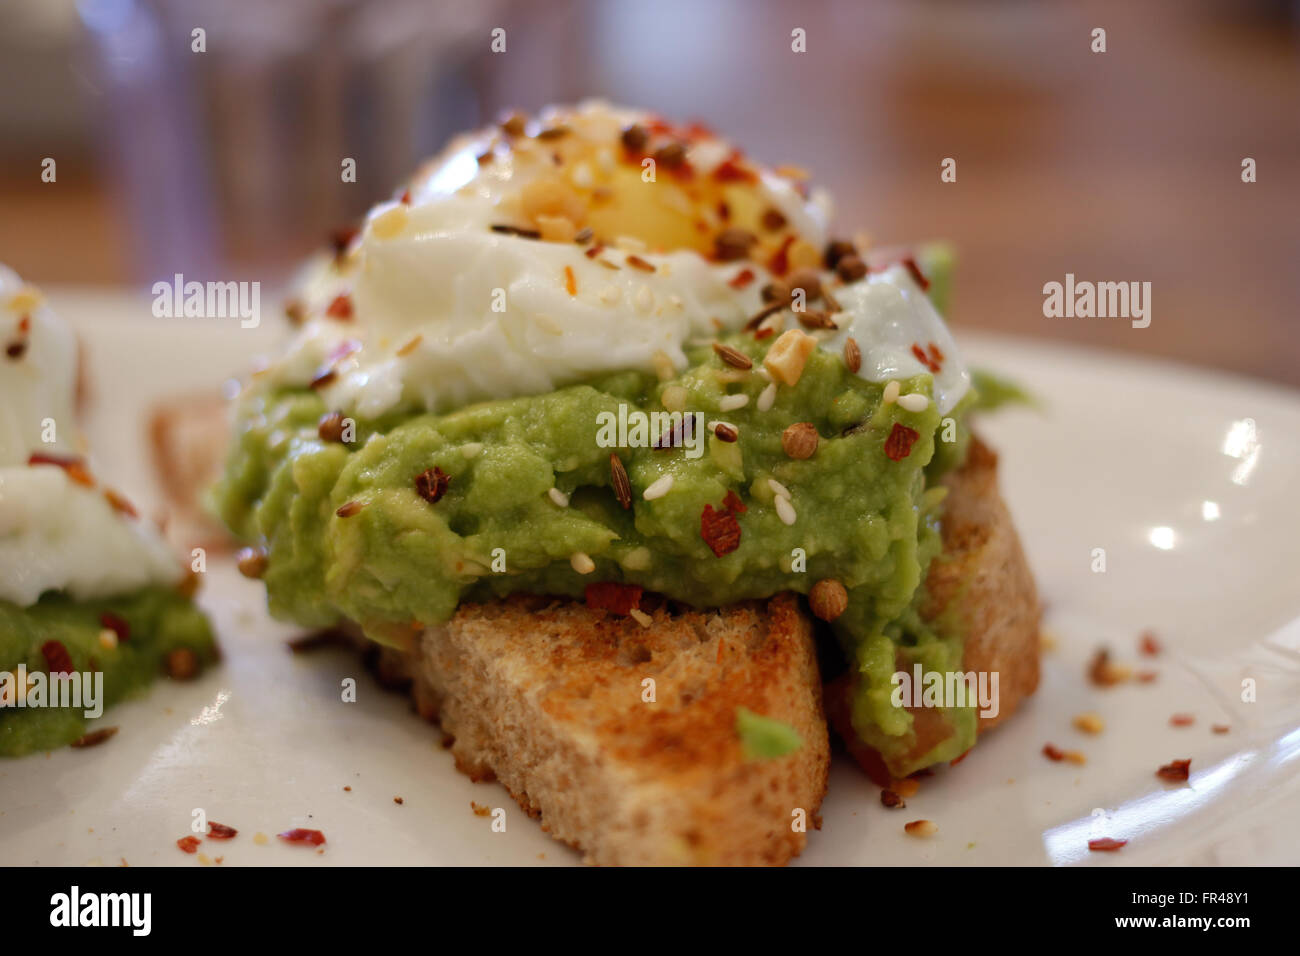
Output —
(1185, 478)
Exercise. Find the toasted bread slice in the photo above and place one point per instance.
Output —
(981, 584)
(550, 698)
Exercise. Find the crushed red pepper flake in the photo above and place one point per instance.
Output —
(1146, 677)
(570, 281)
(94, 738)
(900, 441)
(891, 799)
(1053, 752)
(1148, 644)
(57, 658)
(741, 279)
(301, 837)
(119, 503)
(917, 275)
(1106, 844)
(1176, 771)
(1219, 728)
(73, 466)
(340, 307)
(720, 530)
(1181, 720)
(614, 597)
(219, 831)
(117, 625)
(432, 484)
(188, 844)
(341, 238)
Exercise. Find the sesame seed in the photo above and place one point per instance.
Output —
(674, 398)
(921, 828)
(915, 402)
(558, 496)
(729, 403)
(778, 489)
(767, 398)
(411, 345)
(582, 562)
(785, 510)
(658, 488)
(641, 617)
(891, 393)
(610, 294)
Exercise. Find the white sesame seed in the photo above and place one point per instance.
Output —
(658, 488)
(471, 449)
(610, 294)
(915, 402)
(641, 617)
(645, 299)
(785, 510)
(764, 373)
(663, 365)
(582, 562)
(729, 403)
(891, 393)
(559, 497)
(674, 398)
(767, 398)
(778, 489)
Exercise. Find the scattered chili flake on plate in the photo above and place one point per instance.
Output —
(57, 658)
(1176, 771)
(94, 738)
(301, 837)
(340, 307)
(1052, 752)
(117, 625)
(1106, 844)
(1219, 728)
(219, 831)
(188, 844)
(1148, 644)
(1181, 720)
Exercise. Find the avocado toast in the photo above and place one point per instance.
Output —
(607, 360)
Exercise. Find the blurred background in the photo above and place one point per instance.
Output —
(1117, 166)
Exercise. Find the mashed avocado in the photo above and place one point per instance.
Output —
(395, 561)
(146, 628)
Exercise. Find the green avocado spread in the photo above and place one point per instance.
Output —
(58, 633)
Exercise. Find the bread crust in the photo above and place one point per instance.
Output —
(981, 585)
(549, 697)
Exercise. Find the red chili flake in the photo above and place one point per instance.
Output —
(720, 531)
(765, 332)
(1052, 752)
(1148, 644)
(219, 831)
(432, 484)
(570, 281)
(117, 625)
(1175, 771)
(1106, 844)
(71, 464)
(1219, 728)
(25, 324)
(733, 503)
(779, 264)
(910, 264)
(119, 503)
(936, 356)
(613, 597)
(188, 844)
(341, 238)
(406, 197)
(1146, 677)
(742, 279)
(732, 170)
(15, 350)
(340, 307)
(923, 358)
(57, 658)
(302, 837)
(724, 211)
(94, 738)
(900, 441)
(594, 251)
(1181, 720)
